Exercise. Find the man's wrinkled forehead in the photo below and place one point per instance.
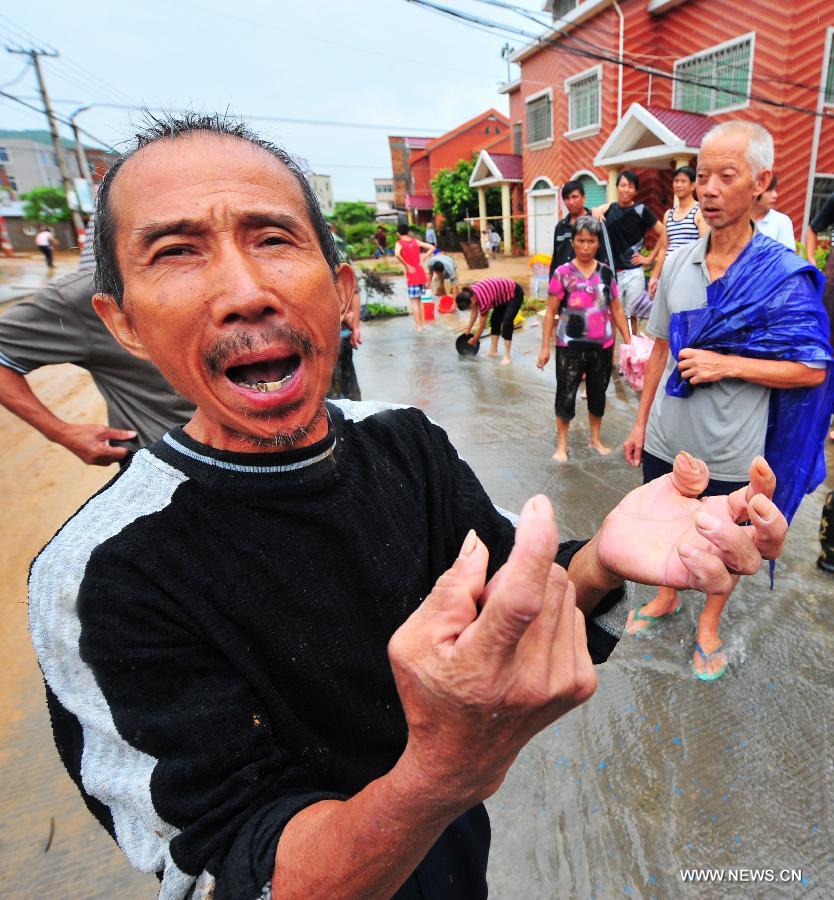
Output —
(724, 149)
(165, 177)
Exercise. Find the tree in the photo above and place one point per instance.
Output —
(352, 212)
(453, 196)
(46, 204)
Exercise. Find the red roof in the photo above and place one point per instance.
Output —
(509, 165)
(419, 201)
(688, 126)
(490, 114)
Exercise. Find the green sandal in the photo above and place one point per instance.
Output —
(707, 658)
(652, 620)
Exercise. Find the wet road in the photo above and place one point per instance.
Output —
(655, 773)
(658, 771)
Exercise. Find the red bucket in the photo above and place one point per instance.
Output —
(428, 310)
(446, 303)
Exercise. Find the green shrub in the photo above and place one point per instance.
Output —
(358, 232)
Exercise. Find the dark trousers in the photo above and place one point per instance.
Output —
(47, 252)
(502, 318)
(827, 531)
(571, 364)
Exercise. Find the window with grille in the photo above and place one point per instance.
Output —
(829, 81)
(517, 137)
(583, 103)
(539, 120)
(562, 7)
(716, 79)
(823, 189)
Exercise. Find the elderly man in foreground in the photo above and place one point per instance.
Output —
(293, 646)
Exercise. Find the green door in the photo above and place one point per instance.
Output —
(594, 193)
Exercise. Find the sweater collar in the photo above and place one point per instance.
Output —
(208, 464)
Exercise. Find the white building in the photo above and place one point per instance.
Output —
(323, 186)
(384, 195)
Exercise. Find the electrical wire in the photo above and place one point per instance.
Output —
(551, 45)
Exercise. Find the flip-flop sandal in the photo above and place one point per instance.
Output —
(652, 620)
(707, 658)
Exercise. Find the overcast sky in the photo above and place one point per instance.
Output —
(385, 62)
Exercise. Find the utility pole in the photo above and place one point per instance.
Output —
(506, 52)
(33, 54)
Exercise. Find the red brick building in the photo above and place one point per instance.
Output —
(688, 64)
(415, 161)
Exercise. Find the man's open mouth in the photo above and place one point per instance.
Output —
(266, 375)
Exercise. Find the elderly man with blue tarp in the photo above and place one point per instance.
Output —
(741, 359)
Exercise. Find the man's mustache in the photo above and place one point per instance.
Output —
(232, 345)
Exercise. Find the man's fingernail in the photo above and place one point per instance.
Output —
(541, 506)
(764, 507)
(706, 522)
(469, 544)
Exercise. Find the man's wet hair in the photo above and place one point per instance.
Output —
(685, 170)
(402, 228)
(108, 278)
(437, 267)
(589, 224)
(570, 187)
(631, 176)
(464, 299)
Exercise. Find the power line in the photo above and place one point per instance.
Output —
(552, 45)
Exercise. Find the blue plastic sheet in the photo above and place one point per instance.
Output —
(769, 306)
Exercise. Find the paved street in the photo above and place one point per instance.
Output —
(656, 772)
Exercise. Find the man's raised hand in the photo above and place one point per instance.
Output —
(661, 534)
(476, 686)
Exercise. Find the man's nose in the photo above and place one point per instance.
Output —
(241, 291)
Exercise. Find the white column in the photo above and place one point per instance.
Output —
(506, 218)
(482, 212)
(611, 192)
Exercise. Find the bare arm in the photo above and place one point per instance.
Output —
(547, 329)
(479, 330)
(355, 321)
(660, 233)
(810, 244)
(705, 366)
(701, 224)
(633, 445)
(660, 259)
(619, 318)
(90, 443)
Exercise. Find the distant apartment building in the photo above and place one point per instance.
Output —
(384, 195)
(29, 161)
(323, 186)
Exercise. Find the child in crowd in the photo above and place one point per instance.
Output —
(412, 253)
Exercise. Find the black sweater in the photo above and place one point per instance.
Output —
(213, 634)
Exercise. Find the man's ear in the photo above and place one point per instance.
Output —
(345, 288)
(762, 182)
(118, 324)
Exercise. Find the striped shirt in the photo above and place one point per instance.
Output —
(492, 292)
(681, 232)
(87, 260)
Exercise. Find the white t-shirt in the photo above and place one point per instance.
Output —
(43, 238)
(778, 226)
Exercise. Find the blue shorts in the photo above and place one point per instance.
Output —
(415, 291)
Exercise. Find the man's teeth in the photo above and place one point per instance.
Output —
(266, 386)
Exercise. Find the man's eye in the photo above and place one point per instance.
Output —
(172, 251)
(274, 240)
